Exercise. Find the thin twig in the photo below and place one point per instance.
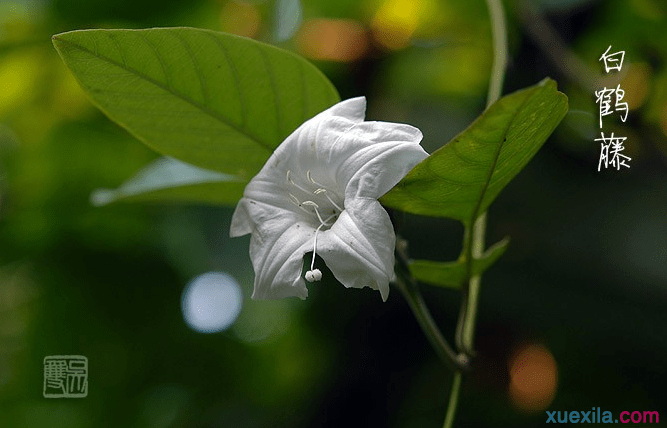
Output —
(553, 46)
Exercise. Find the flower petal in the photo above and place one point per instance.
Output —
(375, 156)
(278, 244)
(298, 154)
(302, 150)
(353, 109)
(359, 247)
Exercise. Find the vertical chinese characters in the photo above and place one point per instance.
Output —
(610, 151)
(65, 376)
(604, 99)
(613, 61)
(610, 100)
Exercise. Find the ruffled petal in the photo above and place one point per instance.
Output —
(353, 109)
(359, 247)
(304, 148)
(372, 157)
(278, 244)
(299, 153)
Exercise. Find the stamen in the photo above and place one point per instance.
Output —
(296, 202)
(334, 204)
(310, 178)
(323, 190)
(310, 204)
(319, 217)
(314, 274)
(289, 180)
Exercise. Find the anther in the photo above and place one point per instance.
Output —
(298, 204)
(290, 181)
(311, 179)
(322, 190)
(310, 204)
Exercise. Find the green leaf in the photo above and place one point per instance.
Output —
(169, 180)
(453, 274)
(461, 179)
(211, 99)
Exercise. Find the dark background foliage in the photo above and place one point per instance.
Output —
(582, 288)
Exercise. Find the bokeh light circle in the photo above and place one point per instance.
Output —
(533, 378)
(211, 302)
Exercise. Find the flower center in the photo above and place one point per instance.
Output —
(320, 206)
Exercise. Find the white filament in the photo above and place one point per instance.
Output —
(312, 274)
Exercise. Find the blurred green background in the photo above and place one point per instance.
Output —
(572, 317)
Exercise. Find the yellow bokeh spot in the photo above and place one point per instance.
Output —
(396, 21)
(19, 74)
(476, 62)
(636, 84)
(648, 9)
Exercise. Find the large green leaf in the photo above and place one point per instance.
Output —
(453, 274)
(169, 180)
(461, 179)
(211, 99)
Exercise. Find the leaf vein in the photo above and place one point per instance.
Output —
(195, 64)
(113, 39)
(489, 177)
(206, 110)
(276, 103)
(158, 57)
(235, 76)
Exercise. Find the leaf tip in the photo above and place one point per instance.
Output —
(548, 82)
(55, 40)
(58, 42)
(58, 37)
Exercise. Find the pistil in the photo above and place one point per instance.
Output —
(313, 274)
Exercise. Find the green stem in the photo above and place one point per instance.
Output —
(411, 292)
(475, 238)
(453, 399)
(499, 30)
(477, 248)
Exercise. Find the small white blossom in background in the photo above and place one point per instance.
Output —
(318, 193)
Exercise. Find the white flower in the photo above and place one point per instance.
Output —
(318, 192)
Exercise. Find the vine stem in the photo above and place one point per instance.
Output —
(408, 287)
(476, 244)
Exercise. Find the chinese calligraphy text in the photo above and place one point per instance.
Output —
(610, 100)
(65, 376)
